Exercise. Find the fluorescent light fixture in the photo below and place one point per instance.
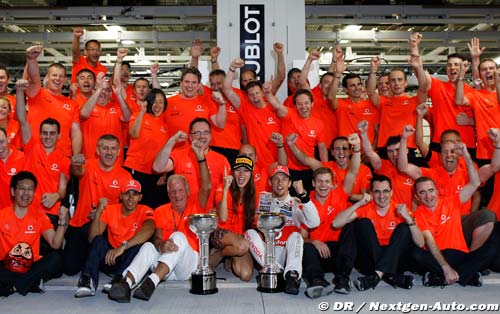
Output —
(113, 28)
(352, 28)
(497, 60)
(128, 42)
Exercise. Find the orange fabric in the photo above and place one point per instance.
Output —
(230, 135)
(27, 229)
(236, 219)
(334, 204)
(47, 169)
(123, 228)
(323, 111)
(46, 105)
(445, 223)
(445, 110)
(13, 165)
(349, 114)
(102, 120)
(486, 115)
(395, 113)
(260, 124)
(180, 112)
(12, 100)
(143, 150)
(14, 134)
(261, 179)
(186, 164)
(402, 185)
(80, 100)
(449, 185)
(170, 221)
(494, 203)
(83, 64)
(310, 133)
(363, 178)
(94, 184)
(384, 225)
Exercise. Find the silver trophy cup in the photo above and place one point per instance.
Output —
(271, 275)
(203, 279)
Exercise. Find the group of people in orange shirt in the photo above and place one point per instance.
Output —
(90, 170)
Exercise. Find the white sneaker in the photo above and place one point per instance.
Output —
(106, 287)
(86, 287)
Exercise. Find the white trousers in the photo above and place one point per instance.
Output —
(181, 263)
(289, 255)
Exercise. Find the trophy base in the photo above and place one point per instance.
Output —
(271, 283)
(203, 284)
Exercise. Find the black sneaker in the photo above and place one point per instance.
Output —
(292, 282)
(342, 284)
(319, 287)
(433, 280)
(367, 282)
(399, 280)
(145, 290)
(476, 280)
(120, 291)
(86, 287)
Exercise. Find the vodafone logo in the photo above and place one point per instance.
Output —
(367, 112)
(66, 107)
(12, 171)
(112, 110)
(199, 108)
(114, 184)
(270, 120)
(162, 129)
(54, 167)
(312, 133)
(444, 219)
(12, 135)
(392, 225)
(231, 109)
(406, 102)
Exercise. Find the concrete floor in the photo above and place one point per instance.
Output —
(236, 297)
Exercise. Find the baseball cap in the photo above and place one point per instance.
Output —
(132, 185)
(243, 161)
(277, 169)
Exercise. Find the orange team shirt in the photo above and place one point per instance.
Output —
(12, 166)
(14, 134)
(123, 228)
(186, 164)
(334, 204)
(94, 184)
(402, 185)
(27, 229)
(323, 111)
(46, 105)
(444, 112)
(180, 112)
(102, 120)
(349, 114)
(230, 135)
(169, 221)
(395, 113)
(486, 110)
(261, 179)
(143, 149)
(260, 124)
(83, 64)
(444, 223)
(311, 132)
(384, 225)
(363, 178)
(450, 185)
(289, 102)
(80, 100)
(47, 169)
(12, 100)
(494, 203)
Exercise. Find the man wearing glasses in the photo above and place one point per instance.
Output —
(90, 60)
(182, 160)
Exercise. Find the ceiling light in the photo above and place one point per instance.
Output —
(352, 28)
(128, 42)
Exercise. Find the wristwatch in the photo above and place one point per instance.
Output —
(125, 244)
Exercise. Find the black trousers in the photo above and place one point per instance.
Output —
(153, 195)
(46, 268)
(465, 264)
(76, 249)
(390, 259)
(340, 262)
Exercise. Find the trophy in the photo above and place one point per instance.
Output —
(203, 279)
(271, 274)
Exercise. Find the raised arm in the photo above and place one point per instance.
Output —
(411, 170)
(206, 183)
(460, 98)
(372, 156)
(227, 88)
(474, 182)
(121, 53)
(313, 55)
(196, 50)
(422, 146)
(371, 84)
(340, 67)
(349, 214)
(32, 54)
(277, 139)
(125, 109)
(311, 162)
(222, 208)
(352, 172)
(78, 165)
(155, 68)
(75, 47)
(488, 170)
(214, 57)
(135, 128)
(91, 102)
(162, 162)
(475, 51)
(281, 110)
(21, 86)
(418, 69)
(415, 39)
(219, 119)
(280, 70)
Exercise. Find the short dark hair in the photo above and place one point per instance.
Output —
(379, 178)
(446, 132)
(349, 76)
(127, 64)
(302, 92)
(85, 70)
(325, 75)
(191, 70)
(422, 180)
(2, 67)
(108, 137)
(141, 79)
(253, 84)
(322, 170)
(456, 55)
(57, 65)
(51, 121)
(92, 41)
(398, 70)
(151, 98)
(217, 72)
(199, 120)
(22, 175)
(391, 140)
(338, 138)
(292, 72)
